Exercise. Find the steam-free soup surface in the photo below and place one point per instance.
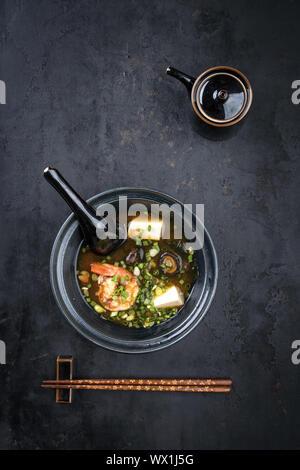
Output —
(141, 284)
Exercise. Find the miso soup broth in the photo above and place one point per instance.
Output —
(143, 283)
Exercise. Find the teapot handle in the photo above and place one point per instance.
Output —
(187, 80)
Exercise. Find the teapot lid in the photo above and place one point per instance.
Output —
(221, 96)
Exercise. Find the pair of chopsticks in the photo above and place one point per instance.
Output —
(151, 385)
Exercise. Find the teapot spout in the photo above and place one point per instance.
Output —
(187, 80)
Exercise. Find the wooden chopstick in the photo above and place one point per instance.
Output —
(159, 382)
(142, 388)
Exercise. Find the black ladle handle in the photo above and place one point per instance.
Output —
(86, 215)
(78, 205)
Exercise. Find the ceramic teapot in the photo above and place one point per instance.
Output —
(221, 96)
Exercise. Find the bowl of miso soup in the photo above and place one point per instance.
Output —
(144, 296)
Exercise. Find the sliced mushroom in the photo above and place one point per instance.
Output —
(170, 263)
(141, 253)
(131, 257)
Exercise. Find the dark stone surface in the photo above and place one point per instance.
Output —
(87, 92)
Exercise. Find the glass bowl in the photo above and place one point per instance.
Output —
(104, 333)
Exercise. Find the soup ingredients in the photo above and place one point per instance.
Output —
(85, 290)
(128, 286)
(118, 287)
(99, 309)
(84, 277)
(145, 229)
(154, 251)
(172, 297)
(132, 256)
(170, 263)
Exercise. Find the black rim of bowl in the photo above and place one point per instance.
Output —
(137, 346)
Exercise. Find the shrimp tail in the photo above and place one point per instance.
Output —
(108, 270)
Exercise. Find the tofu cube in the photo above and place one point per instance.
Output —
(145, 229)
(173, 297)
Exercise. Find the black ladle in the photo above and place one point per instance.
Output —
(86, 215)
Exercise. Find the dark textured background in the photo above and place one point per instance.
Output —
(87, 92)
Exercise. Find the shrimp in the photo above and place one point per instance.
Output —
(118, 288)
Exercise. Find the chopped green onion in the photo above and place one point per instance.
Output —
(98, 308)
(153, 252)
